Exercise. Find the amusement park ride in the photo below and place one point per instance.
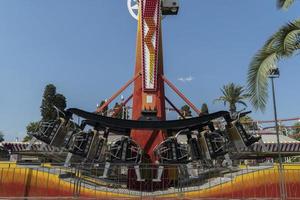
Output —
(148, 138)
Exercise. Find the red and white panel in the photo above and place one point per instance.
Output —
(150, 22)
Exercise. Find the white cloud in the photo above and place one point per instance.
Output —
(186, 79)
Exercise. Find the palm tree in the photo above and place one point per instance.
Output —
(284, 4)
(232, 94)
(283, 44)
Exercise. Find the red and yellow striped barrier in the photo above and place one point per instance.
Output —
(27, 182)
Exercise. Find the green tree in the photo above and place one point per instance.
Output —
(27, 138)
(186, 111)
(1, 136)
(233, 95)
(32, 127)
(60, 101)
(296, 128)
(47, 110)
(282, 44)
(50, 99)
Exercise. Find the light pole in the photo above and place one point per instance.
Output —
(275, 73)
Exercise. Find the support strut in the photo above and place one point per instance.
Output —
(121, 106)
(181, 95)
(175, 108)
(117, 93)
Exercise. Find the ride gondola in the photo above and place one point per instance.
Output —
(206, 144)
(238, 135)
(53, 132)
(124, 150)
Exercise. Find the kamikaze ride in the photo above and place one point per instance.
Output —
(148, 138)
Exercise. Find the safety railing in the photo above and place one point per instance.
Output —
(181, 182)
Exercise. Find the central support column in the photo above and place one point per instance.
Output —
(149, 93)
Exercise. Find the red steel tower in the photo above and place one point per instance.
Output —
(149, 92)
(149, 80)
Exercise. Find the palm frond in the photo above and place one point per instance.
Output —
(220, 99)
(286, 40)
(284, 43)
(291, 39)
(258, 72)
(242, 102)
(284, 4)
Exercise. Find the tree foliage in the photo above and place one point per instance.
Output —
(296, 128)
(60, 101)
(27, 138)
(282, 44)
(50, 99)
(284, 4)
(30, 128)
(233, 95)
(1, 136)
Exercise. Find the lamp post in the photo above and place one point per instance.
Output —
(275, 73)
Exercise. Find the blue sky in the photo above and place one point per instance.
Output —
(87, 49)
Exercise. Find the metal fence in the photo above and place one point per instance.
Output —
(177, 182)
